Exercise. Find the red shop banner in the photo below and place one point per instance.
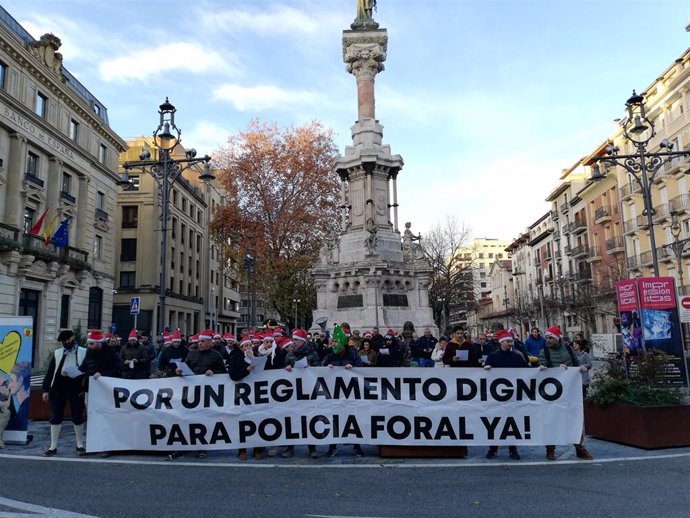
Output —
(656, 292)
(627, 295)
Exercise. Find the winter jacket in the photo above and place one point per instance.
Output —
(505, 359)
(558, 355)
(585, 361)
(171, 353)
(237, 365)
(201, 361)
(372, 357)
(473, 357)
(349, 356)
(533, 346)
(306, 350)
(104, 361)
(421, 344)
(437, 356)
(395, 356)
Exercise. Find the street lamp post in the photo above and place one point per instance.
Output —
(678, 247)
(249, 268)
(165, 170)
(506, 301)
(442, 300)
(295, 303)
(642, 165)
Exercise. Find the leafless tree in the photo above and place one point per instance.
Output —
(452, 285)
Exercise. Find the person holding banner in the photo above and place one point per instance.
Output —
(63, 383)
(302, 351)
(557, 353)
(461, 353)
(239, 364)
(505, 357)
(392, 352)
(202, 360)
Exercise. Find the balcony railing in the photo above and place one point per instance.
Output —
(558, 254)
(36, 246)
(9, 237)
(634, 262)
(602, 214)
(567, 249)
(547, 255)
(665, 254)
(556, 234)
(594, 253)
(578, 226)
(68, 197)
(582, 275)
(680, 203)
(663, 212)
(554, 215)
(33, 179)
(564, 208)
(579, 250)
(646, 258)
(626, 191)
(615, 244)
(101, 214)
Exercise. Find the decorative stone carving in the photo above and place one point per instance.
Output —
(371, 241)
(412, 250)
(365, 60)
(329, 250)
(365, 15)
(101, 225)
(46, 49)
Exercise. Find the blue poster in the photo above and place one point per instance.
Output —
(16, 348)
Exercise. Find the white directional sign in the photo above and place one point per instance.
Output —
(134, 304)
(684, 308)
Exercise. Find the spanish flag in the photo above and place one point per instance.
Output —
(36, 229)
(48, 231)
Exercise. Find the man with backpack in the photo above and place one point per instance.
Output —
(558, 354)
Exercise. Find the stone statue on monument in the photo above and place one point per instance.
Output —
(412, 251)
(329, 249)
(372, 239)
(365, 15)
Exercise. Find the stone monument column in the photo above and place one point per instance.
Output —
(364, 53)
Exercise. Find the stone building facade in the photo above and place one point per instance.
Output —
(57, 153)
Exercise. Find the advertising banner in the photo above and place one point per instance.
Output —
(661, 323)
(629, 314)
(320, 405)
(16, 350)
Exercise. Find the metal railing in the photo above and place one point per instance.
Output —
(615, 243)
(594, 253)
(9, 237)
(626, 191)
(33, 179)
(634, 262)
(579, 250)
(36, 246)
(602, 213)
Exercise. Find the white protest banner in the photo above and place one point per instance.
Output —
(318, 405)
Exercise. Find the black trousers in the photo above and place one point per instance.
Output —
(60, 398)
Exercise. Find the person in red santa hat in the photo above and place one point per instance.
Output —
(134, 358)
(175, 351)
(554, 355)
(505, 357)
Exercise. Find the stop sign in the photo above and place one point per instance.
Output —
(684, 308)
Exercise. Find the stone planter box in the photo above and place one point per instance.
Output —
(643, 427)
(427, 452)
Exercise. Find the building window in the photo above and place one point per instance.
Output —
(174, 227)
(100, 200)
(66, 183)
(95, 308)
(101, 153)
(73, 130)
(3, 74)
(184, 204)
(128, 250)
(174, 197)
(183, 231)
(29, 215)
(199, 217)
(198, 243)
(41, 104)
(127, 279)
(32, 164)
(64, 311)
(97, 109)
(130, 216)
(98, 248)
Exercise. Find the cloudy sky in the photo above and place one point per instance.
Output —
(486, 101)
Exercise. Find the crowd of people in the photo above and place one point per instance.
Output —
(211, 353)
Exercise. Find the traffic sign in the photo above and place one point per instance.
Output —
(684, 308)
(134, 304)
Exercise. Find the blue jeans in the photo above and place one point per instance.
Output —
(424, 362)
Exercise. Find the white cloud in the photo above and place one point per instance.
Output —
(278, 20)
(206, 137)
(263, 97)
(143, 63)
(68, 30)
